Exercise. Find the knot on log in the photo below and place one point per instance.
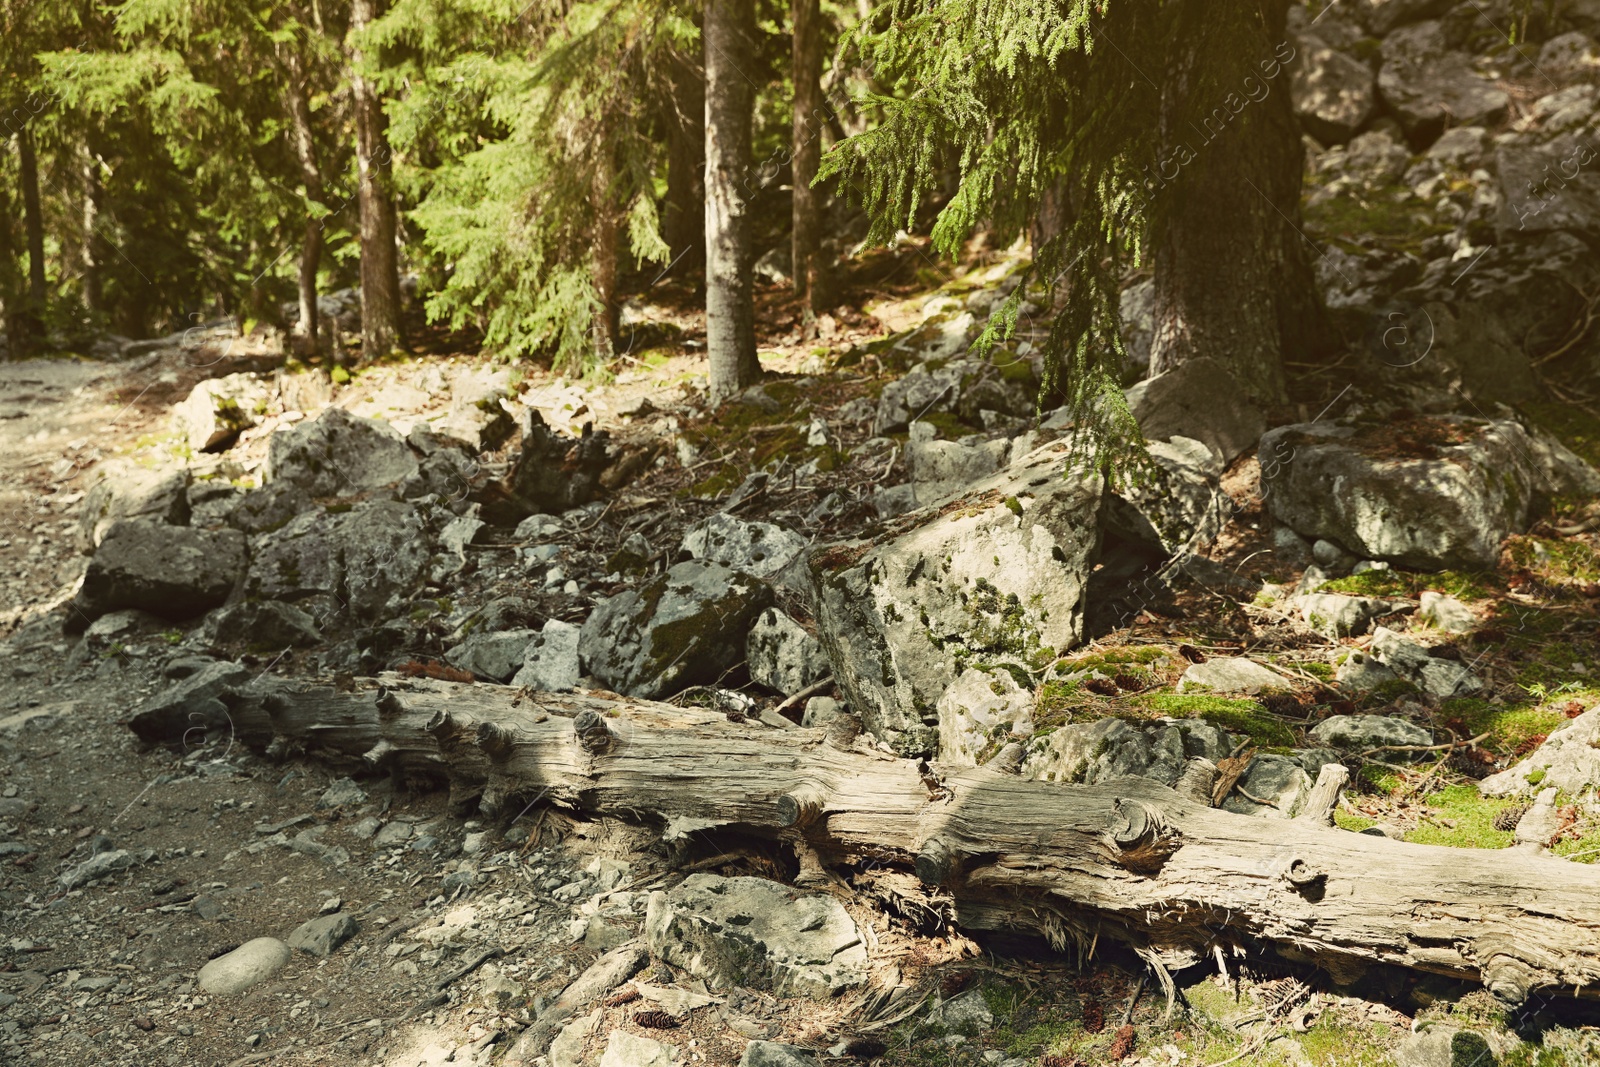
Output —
(495, 739)
(390, 706)
(1509, 979)
(441, 723)
(593, 735)
(1008, 760)
(936, 862)
(378, 754)
(1141, 837)
(1301, 874)
(801, 807)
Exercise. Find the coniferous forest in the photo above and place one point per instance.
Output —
(977, 533)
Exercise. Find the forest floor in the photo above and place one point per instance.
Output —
(229, 846)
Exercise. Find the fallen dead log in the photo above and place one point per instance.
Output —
(1131, 860)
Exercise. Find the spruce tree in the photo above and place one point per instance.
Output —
(729, 32)
(1090, 103)
(380, 258)
(806, 151)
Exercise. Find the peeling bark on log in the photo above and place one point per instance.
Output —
(1128, 859)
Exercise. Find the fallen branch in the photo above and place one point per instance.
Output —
(1127, 859)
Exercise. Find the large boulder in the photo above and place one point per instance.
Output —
(1425, 84)
(218, 410)
(1085, 753)
(941, 468)
(1428, 493)
(127, 491)
(339, 454)
(365, 558)
(1568, 760)
(171, 571)
(1199, 399)
(1439, 675)
(1334, 93)
(684, 628)
(997, 573)
(496, 656)
(551, 661)
(757, 548)
(751, 932)
(1548, 186)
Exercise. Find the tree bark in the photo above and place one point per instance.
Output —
(90, 253)
(33, 228)
(380, 265)
(1232, 281)
(683, 213)
(1130, 859)
(810, 119)
(305, 150)
(729, 33)
(606, 241)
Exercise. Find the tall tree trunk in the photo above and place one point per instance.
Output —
(606, 242)
(90, 256)
(305, 150)
(33, 223)
(380, 265)
(683, 213)
(809, 120)
(729, 33)
(1232, 280)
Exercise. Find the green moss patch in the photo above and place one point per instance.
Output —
(1236, 716)
(1398, 583)
(1462, 818)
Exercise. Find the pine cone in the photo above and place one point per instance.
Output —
(656, 1020)
(1507, 820)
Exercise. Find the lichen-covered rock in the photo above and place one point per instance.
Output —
(997, 573)
(1567, 760)
(492, 656)
(126, 491)
(752, 932)
(980, 712)
(339, 454)
(1360, 672)
(1336, 615)
(1430, 493)
(920, 391)
(1182, 506)
(365, 558)
(269, 508)
(782, 655)
(298, 560)
(1334, 93)
(1231, 674)
(1444, 612)
(172, 571)
(757, 548)
(940, 468)
(551, 662)
(684, 628)
(1437, 675)
(1085, 753)
(1363, 732)
(218, 410)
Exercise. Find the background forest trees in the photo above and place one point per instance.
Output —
(528, 165)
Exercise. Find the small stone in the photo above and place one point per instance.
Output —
(965, 1014)
(94, 985)
(365, 829)
(1369, 731)
(1231, 674)
(473, 844)
(144, 1022)
(344, 793)
(250, 964)
(775, 1054)
(820, 711)
(320, 936)
(330, 906)
(1446, 613)
(393, 835)
(628, 1050)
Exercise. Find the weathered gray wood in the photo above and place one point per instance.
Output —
(1128, 859)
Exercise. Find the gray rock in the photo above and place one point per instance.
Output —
(1001, 577)
(1362, 732)
(171, 571)
(966, 1013)
(368, 558)
(94, 985)
(752, 932)
(393, 835)
(630, 1050)
(190, 707)
(1547, 187)
(124, 490)
(1334, 94)
(1444, 1046)
(1443, 612)
(1198, 399)
(1451, 509)
(1425, 84)
(1180, 509)
(477, 415)
(684, 628)
(1411, 661)
(1568, 760)
(322, 935)
(344, 793)
(99, 866)
(567, 1048)
(1336, 615)
(921, 391)
(269, 508)
(1137, 303)
(263, 624)
(774, 1054)
(981, 711)
(492, 656)
(821, 711)
(339, 454)
(757, 548)
(941, 468)
(1280, 780)
(1085, 753)
(1231, 674)
(217, 410)
(551, 662)
(895, 500)
(248, 965)
(1360, 672)
(782, 655)
(211, 502)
